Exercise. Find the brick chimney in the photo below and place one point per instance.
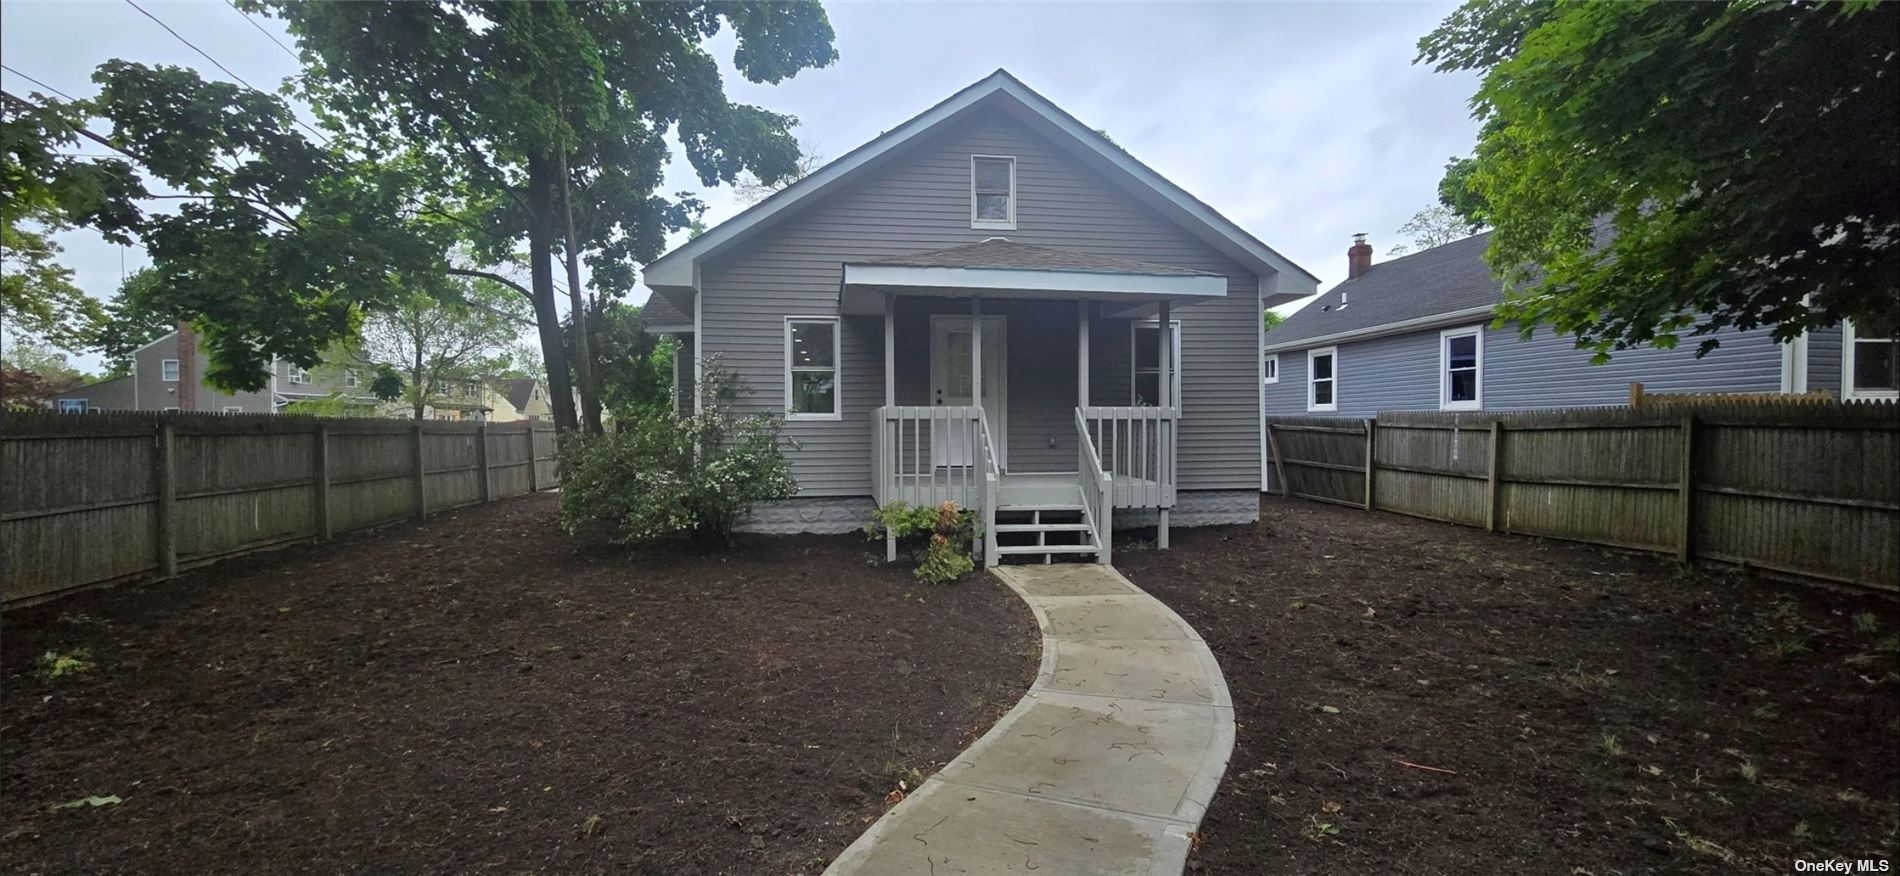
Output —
(1359, 257)
(187, 368)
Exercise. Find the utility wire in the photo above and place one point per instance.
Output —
(227, 71)
(50, 88)
(260, 29)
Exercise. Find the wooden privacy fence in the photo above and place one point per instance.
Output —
(89, 498)
(1804, 488)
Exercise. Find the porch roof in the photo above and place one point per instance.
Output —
(1002, 268)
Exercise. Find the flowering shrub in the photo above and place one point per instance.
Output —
(669, 473)
(937, 537)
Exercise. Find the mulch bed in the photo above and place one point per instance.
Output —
(481, 693)
(1602, 713)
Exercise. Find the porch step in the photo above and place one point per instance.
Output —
(1039, 550)
(1060, 506)
(1042, 527)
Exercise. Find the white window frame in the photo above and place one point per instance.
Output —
(168, 370)
(231, 409)
(1312, 354)
(1848, 340)
(170, 410)
(836, 369)
(75, 405)
(1445, 402)
(350, 379)
(1174, 359)
(1008, 224)
(1272, 367)
(300, 376)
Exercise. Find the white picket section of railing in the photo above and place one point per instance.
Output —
(1137, 446)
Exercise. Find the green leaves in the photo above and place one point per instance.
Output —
(1655, 170)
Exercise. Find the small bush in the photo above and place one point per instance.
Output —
(55, 664)
(937, 537)
(671, 473)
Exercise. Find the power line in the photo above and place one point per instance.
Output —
(227, 71)
(260, 29)
(39, 83)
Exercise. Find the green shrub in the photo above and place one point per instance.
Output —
(669, 473)
(936, 537)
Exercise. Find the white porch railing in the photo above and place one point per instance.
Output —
(1136, 446)
(992, 478)
(1098, 486)
(925, 454)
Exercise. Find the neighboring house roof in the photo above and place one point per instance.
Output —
(1414, 291)
(86, 388)
(679, 269)
(1001, 252)
(518, 390)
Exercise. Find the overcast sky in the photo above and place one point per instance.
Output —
(1303, 123)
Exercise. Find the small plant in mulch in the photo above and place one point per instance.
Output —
(59, 664)
(937, 537)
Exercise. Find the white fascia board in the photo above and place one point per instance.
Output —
(1045, 281)
(1438, 320)
(680, 268)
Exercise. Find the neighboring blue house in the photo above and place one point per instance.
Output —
(1414, 334)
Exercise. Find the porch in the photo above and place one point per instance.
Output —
(990, 391)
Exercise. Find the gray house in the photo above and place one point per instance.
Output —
(971, 307)
(168, 375)
(1415, 333)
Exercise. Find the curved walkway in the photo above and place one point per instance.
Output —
(1104, 767)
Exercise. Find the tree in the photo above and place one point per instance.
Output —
(134, 318)
(751, 189)
(1668, 168)
(636, 367)
(1270, 320)
(435, 344)
(32, 373)
(1433, 226)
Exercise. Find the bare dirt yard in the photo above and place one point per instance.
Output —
(1569, 709)
(481, 693)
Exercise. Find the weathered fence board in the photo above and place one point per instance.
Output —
(92, 498)
(1802, 487)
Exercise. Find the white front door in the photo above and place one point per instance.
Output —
(950, 386)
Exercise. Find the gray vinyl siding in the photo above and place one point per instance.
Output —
(1400, 372)
(683, 373)
(1824, 360)
(106, 395)
(920, 201)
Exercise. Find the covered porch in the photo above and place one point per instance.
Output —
(1035, 386)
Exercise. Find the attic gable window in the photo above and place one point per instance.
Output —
(993, 192)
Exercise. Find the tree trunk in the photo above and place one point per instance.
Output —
(541, 283)
(577, 313)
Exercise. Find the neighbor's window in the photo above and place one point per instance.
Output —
(992, 191)
(233, 409)
(168, 370)
(1461, 369)
(1146, 389)
(72, 405)
(301, 375)
(1322, 381)
(349, 378)
(1273, 368)
(811, 369)
(1870, 366)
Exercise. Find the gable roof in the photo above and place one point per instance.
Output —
(1447, 282)
(1001, 252)
(679, 269)
(518, 390)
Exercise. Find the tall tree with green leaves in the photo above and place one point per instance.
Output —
(436, 343)
(1660, 169)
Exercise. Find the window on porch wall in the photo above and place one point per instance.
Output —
(1145, 390)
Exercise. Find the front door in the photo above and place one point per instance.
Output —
(950, 386)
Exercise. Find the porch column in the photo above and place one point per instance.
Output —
(1081, 354)
(976, 352)
(890, 348)
(1166, 347)
(1166, 467)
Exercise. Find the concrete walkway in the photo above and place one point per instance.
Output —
(1104, 767)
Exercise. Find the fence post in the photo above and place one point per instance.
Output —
(1685, 541)
(1371, 426)
(1279, 468)
(165, 478)
(531, 463)
(481, 456)
(422, 474)
(324, 530)
(1495, 453)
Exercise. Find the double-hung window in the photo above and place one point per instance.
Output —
(1271, 372)
(1322, 379)
(1146, 371)
(811, 368)
(1870, 366)
(168, 370)
(72, 405)
(301, 375)
(1461, 369)
(992, 192)
(349, 379)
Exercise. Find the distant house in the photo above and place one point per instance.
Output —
(168, 375)
(527, 399)
(1415, 333)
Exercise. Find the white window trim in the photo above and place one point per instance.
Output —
(350, 379)
(837, 370)
(1848, 337)
(232, 409)
(1444, 369)
(1272, 366)
(1310, 356)
(992, 224)
(301, 376)
(173, 368)
(84, 405)
(1174, 358)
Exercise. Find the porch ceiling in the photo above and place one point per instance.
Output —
(1001, 268)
